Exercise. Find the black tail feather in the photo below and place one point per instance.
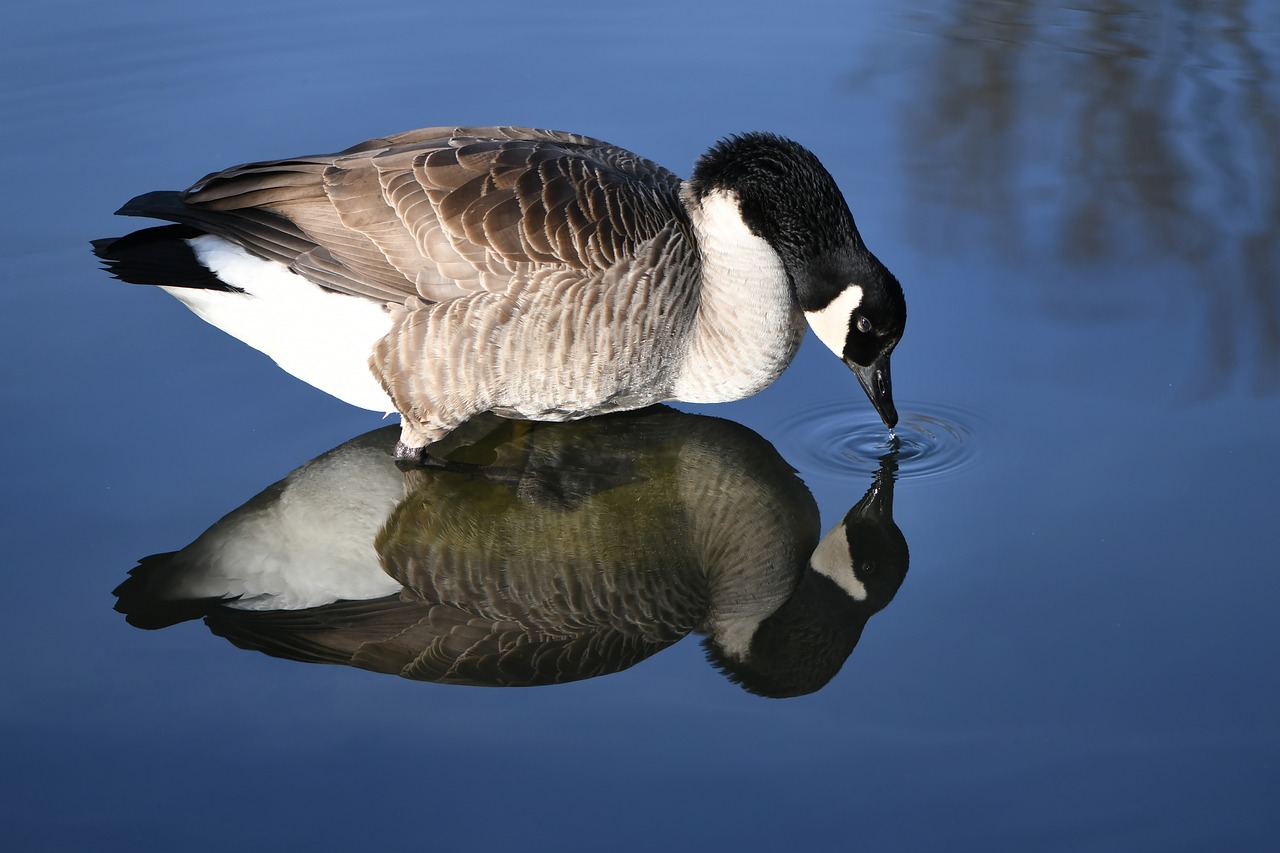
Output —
(159, 256)
(146, 600)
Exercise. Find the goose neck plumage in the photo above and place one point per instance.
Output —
(748, 325)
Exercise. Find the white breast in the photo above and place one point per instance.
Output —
(748, 326)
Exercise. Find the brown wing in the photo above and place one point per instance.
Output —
(426, 641)
(436, 213)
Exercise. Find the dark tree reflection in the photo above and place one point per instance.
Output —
(1113, 132)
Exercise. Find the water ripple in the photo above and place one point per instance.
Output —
(839, 439)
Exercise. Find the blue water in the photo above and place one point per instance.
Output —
(1081, 202)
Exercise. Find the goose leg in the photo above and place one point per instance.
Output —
(411, 449)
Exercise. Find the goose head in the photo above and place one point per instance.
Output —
(788, 199)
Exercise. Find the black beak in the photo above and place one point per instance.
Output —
(875, 381)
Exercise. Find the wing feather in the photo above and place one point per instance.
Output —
(436, 213)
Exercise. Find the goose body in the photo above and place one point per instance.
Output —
(584, 548)
(446, 272)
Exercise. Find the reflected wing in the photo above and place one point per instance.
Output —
(435, 213)
(425, 641)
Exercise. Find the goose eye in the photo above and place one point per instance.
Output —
(864, 325)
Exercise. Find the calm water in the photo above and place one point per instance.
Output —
(1082, 203)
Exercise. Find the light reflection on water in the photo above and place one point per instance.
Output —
(1156, 146)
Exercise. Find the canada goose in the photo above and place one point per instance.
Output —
(535, 274)
(678, 523)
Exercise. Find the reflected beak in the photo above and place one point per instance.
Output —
(875, 381)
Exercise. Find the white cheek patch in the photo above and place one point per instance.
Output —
(832, 558)
(831, 324)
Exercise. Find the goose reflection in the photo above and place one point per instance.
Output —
(547, 553)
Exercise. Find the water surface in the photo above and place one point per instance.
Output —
(1081, 203)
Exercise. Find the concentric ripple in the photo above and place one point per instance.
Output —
(840, 439)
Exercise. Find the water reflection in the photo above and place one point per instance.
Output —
(838, 440)
(1159, 146)
(566, 551)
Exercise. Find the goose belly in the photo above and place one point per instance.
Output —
(321, 337)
